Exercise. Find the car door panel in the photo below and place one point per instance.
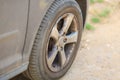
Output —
(13, 22)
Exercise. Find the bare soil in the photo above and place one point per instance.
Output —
(99, 55)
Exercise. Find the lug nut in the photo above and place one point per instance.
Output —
(64, 33)
(61, 48)
(57, 47)
(65, 40)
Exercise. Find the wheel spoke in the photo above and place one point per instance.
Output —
(67, 22)
(72, 38)
(62, 57)
(64, 32)
(55, 33)
(52, 56)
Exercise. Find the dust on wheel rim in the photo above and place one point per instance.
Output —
(62, 41)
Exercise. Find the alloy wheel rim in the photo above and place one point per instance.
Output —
(62, 41)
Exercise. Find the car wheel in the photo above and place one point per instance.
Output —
(57, 41)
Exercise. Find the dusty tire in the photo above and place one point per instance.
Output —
(38, 66)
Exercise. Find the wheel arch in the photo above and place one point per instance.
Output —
(84, 6)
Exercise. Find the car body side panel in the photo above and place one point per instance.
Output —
(13, 21)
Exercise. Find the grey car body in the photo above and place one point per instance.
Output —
(19, 23)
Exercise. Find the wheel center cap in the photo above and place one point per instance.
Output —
(61, 41)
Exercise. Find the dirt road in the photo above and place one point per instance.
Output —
(99, 55)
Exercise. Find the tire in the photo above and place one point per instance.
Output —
(38, 66)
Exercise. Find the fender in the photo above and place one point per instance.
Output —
(84, 8)
(37, 10)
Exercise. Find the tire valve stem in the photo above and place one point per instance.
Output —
(61, 48)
